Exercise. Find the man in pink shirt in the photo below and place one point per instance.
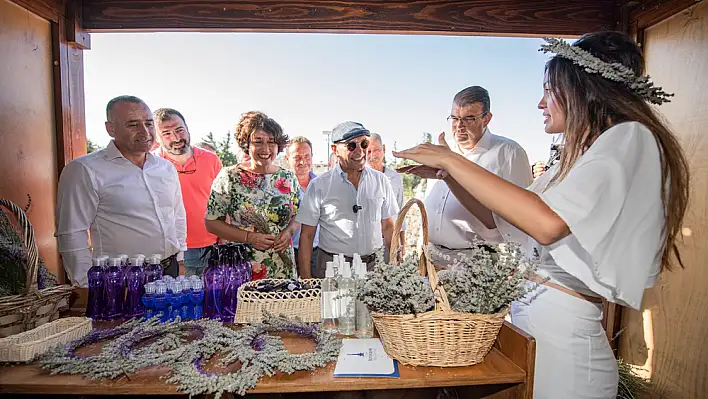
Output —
(196, 169)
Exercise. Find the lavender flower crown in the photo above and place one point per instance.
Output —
(615, 71)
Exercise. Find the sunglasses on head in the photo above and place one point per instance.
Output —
(351, 146)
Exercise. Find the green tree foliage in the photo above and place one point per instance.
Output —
(91, 146)
(223, 148)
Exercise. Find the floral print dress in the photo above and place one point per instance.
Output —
(237, 192)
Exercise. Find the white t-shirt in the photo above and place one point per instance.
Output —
(611, 202)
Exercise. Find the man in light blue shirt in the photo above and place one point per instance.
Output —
(298, 154)
(354, 206)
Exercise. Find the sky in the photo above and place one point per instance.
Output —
(399, 86)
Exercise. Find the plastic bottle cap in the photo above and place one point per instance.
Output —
(97, 261)
(176, 287)
(114, 262)
(181, 277)
(197, 285)
(135, 262)
(154, 259)
(346, 270)
(329, 271)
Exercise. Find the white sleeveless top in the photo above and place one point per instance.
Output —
(611, 202)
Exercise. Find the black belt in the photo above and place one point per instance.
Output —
(364, 258)
(165, 263)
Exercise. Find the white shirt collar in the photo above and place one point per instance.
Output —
(112, 152)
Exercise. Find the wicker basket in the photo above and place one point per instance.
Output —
(304, 304)
(24, 347)
(33, 307)
(440, 337)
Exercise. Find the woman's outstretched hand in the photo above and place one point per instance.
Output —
(428, 154)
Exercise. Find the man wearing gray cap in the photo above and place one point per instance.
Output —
(354, 206)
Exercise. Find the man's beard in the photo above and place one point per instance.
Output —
(179, 151)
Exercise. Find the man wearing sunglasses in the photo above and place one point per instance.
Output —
(452, 227)
(354, 206)
(197, 169)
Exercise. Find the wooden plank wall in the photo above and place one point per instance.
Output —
(42, 122)
(670, 338)
(28, 164)
(495, 17)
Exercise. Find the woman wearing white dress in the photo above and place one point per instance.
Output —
(602, 222)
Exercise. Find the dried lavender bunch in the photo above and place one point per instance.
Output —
(396, 289)
(260, 222)
(486, 282)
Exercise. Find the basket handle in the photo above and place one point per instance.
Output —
(425, 266)
(30, 245)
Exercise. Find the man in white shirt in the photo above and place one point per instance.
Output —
(452, 227)
(375, 156)
(299, 157)
(129, 199)
(354, 206)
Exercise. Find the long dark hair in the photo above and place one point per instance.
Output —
(593, 104)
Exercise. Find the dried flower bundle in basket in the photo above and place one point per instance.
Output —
(33, 307)
(446, 321)
(301, 303)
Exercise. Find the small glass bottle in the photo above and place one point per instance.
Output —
(328, 301)
(148, 300)
(160, 301)
(196, 298)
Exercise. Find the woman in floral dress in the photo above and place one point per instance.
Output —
(255, 202)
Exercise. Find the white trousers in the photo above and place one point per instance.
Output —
(573, 357)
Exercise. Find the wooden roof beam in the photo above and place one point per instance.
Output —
(489, 17)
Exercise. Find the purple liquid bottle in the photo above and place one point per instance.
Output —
(153, 270)
(115, 291)
(96, 293)
(232, 280)
(213, 288)
(123, 263)
(135, 280)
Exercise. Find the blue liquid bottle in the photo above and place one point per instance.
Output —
(196, 298)
(148, 300)
(160, 301)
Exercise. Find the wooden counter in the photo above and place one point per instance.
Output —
(505, 373)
